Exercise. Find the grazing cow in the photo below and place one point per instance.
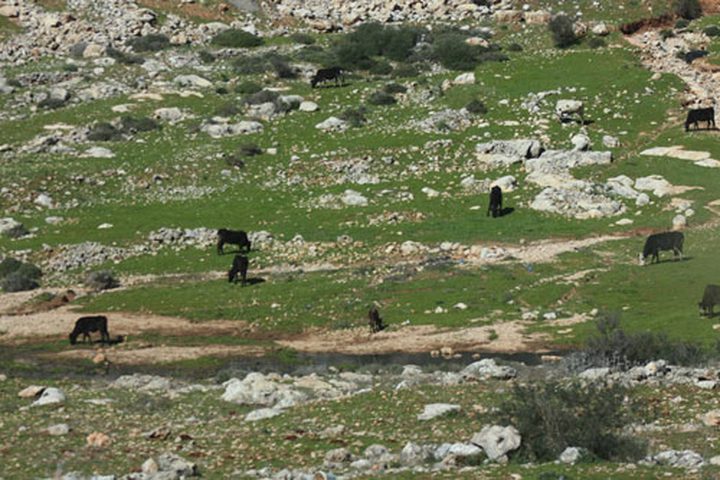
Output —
(495, 205)
(87, 325)
(700, 115)
(239, 265)
(564, 109)
(662, 241)
(232, 237)
(325, 74)
(711, 297)
(374, 320)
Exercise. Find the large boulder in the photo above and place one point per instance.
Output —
(332, 124)
(50, 396)
(434, 410)
(497, 441)
(486, 369)
(192, 81)
(518, 149)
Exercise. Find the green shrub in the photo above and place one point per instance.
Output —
(613, 347)
(263, 96)
(234, 161)
(249, 150)
(8, 266)
(70, 67)
(393, 88)
(381, 98)
(381, 68)
(476, 107)
(563, 34)
(138, 124)
(124, 58)
(405, 70)
(233, 38)
(227, 110)
(688, 9)
(453, 53)
(153, 42)
(712, 31)
(101, 280)
(682, 23)
(282, 68)
(250, 65)
(246, 88)
(551, 417)
(206, 57)
(302, 38)
(16, 232)
(492, 56)
(357, 49)
(104, 132)
(666, 33)
(78, 50)
(317, 55)
(596, 42)
(355, 116)
(221, 90)
(514, 47)
(29, 270)
(52, 103)
(16, 282)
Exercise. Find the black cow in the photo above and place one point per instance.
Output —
(232, 237)
(325, 74)
(662, 241)
(240, 265)
(87, 325)
(495, 205)
(700, 115)
(711, 297)
(374, 320)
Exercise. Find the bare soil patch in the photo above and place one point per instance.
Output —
(122, 355)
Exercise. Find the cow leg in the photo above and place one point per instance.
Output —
(220, 247)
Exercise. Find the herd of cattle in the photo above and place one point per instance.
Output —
(656, 243)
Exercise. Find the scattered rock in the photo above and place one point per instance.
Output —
(435, 410)
(497, 441)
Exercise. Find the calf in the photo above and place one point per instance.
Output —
(232, 237)
(711, 297)
(700, 115)
(495, 205)
(87, 325)
(662, 241)
(240, 265)
(325, 74)
(374, 320)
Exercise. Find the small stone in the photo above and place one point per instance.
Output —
(435, 410)
(98, 440)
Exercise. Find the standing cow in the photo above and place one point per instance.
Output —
(711, 297)
(374, 320)
(495, 204)
(325, 74)
(87, 325)
(240, 265)
(232, 237)
(700, 115)
(662, 242)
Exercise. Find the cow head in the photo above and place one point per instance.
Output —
(73, 338)
(641, 259)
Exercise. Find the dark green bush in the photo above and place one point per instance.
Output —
(666, 33)
(263, 96)
(551, 417)
(221, 90)
(561, 28)
(317, 55)
(104, 132)
(302, 38)
(452, 52)
(233, 38)
(246, 88)
(682, 23)
(16, 276)
(596, 42)
(52, 103)
(357, 49)
(613, 347)
(381, 68)
(234, 161)
(138, 124)
(16, 232)
(8, 266)
(492, 56)
(405, 70)
(227, 110)
(124, 58)
(101, 280)
(153, 42)
(712, 31)
(476, 107)
(514, 47)
(249, 150)
(381, 98)
(688, 9)
(282, 68)
(78, 50)
(206, 57)
(393, 88)
(355, 116)
(70, 67)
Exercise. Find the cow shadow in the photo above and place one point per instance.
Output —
(255, 281)
(671, 260)
(506, 211)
